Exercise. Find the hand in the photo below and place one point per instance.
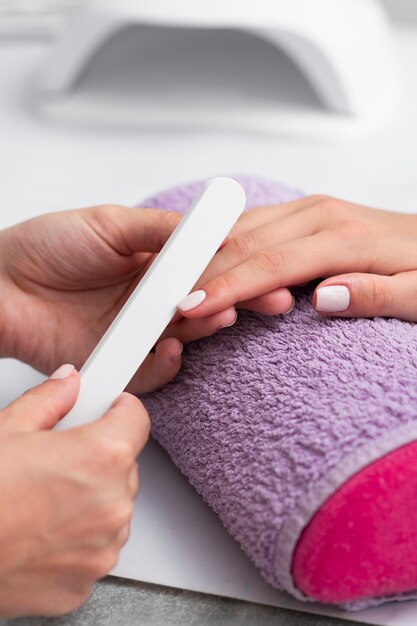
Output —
(65, 276)
(368, 258)
(65, 497)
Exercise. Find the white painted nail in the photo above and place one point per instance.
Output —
(64, 371)
(192, 300)
(175, 357)
(332, 299)
(233, 321)
(291, 307)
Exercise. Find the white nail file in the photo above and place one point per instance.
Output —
(154, 302)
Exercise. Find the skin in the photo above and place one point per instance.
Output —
(371, 252)
(65, 497)
(64, 277)
(66, 509)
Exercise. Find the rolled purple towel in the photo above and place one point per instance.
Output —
(268, 418)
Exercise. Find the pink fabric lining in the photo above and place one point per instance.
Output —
(363, 540)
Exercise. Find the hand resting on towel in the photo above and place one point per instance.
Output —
(368, 258)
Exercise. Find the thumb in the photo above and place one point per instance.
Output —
(126, 425)
(133, 230)
(41, 407)
(368, 295)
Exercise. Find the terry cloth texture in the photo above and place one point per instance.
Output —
(268, 418)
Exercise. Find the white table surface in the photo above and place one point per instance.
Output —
(50, 165)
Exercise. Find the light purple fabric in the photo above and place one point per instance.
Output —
(269, 416)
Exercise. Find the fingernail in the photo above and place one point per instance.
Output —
(192, 300)
(332, 299)
(291, 307)
(64, 371)
(230, 323)
(176, 356)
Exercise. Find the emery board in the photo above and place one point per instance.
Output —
(153, 303)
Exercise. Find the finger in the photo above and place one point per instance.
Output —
(131, 230)
(41, 407)
(244, 245)
(368, 295)
(277, 302)
(187, 330)
(159, 368)
(291, 263)
(126, 421)
(264, 214)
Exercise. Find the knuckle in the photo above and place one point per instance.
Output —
(379, 297)
(222, 285)
(124, 514)
(120, 453)
(109, 519)
(119, 517)
(372, 296)
(318, 198)
(106, 215)
(104, 562)
(329, 208)
(243, 245)
(134, 483)
(116, 453)
(106, 211)
(270, 262)
(106, 222)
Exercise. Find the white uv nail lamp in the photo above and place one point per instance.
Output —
(153, 303)
(344, 50)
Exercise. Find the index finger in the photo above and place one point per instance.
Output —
(256, 216)
(293, 262)
(126, 422)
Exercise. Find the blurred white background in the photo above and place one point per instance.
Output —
(65, 161)
(35, 16)
(46, 16)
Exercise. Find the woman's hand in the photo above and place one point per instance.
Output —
(368, 258)
(64, 277)
(65, 497)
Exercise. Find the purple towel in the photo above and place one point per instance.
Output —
(267, 418)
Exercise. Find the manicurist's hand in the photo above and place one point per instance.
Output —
(65, 497)
(64, 277)
(367, 257)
